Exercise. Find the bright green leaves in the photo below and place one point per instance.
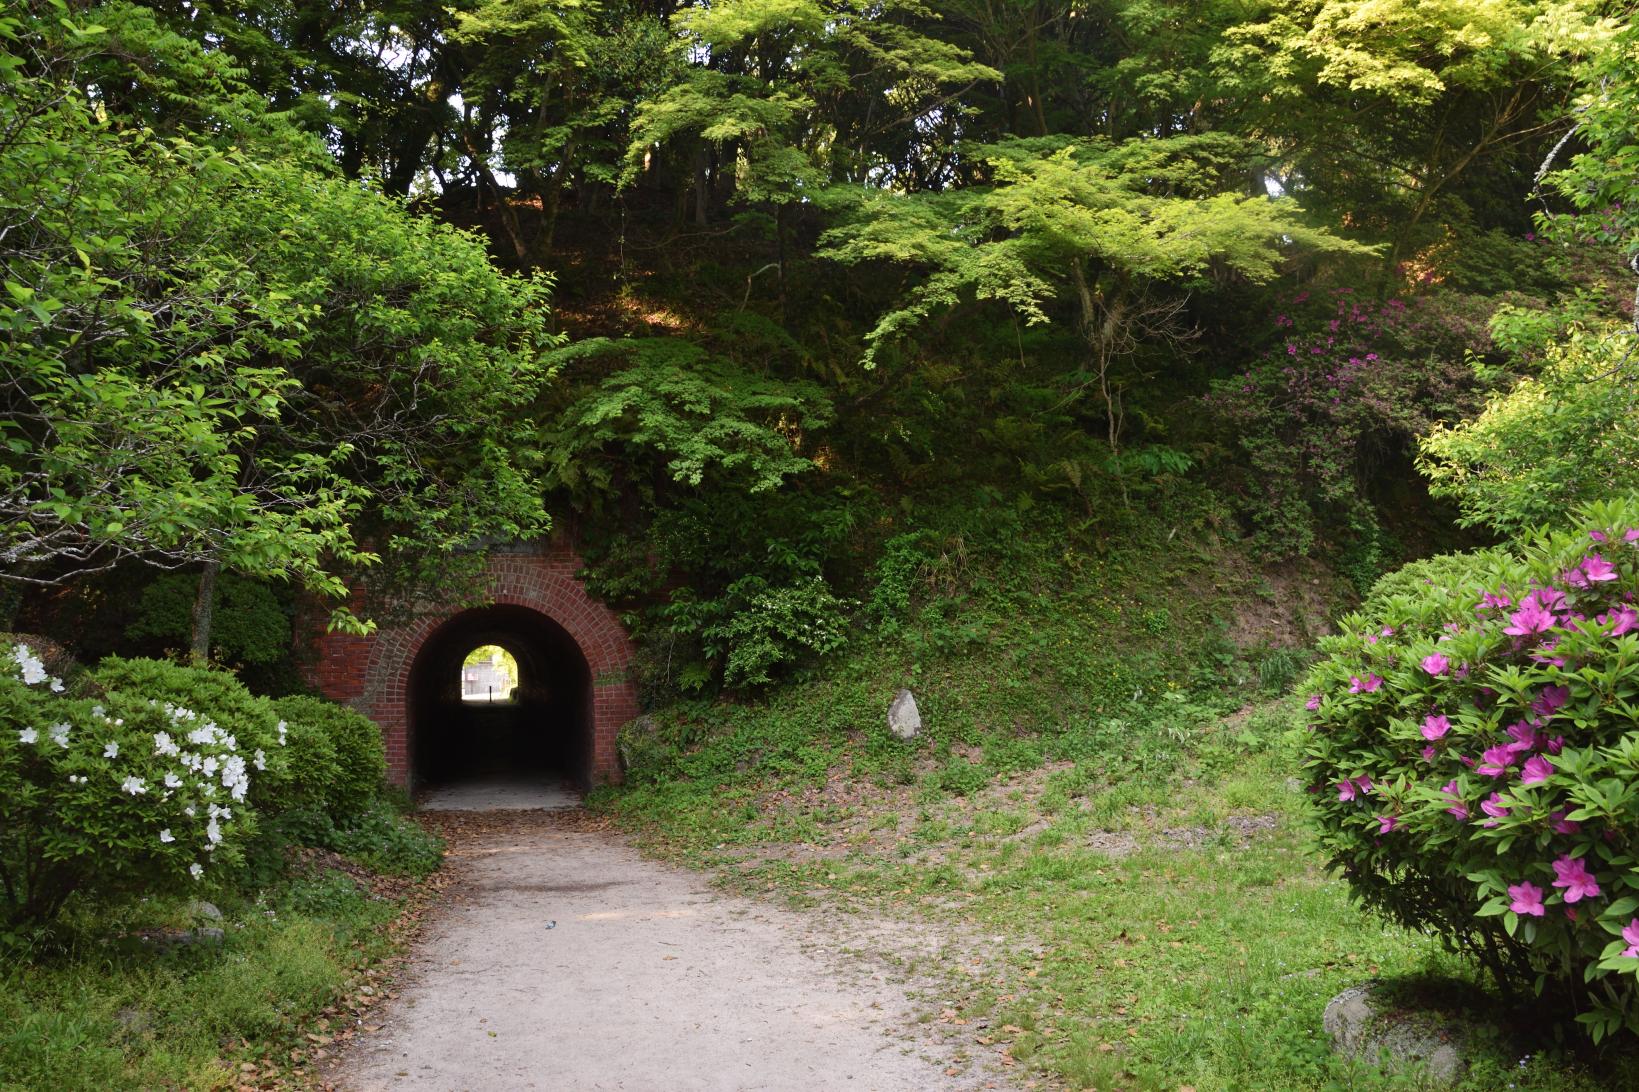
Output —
(798, 88)
(696, 416)
(213, 355)
(1141, 211)
(1568, 435)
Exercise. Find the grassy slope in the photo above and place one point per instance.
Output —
(1104, 784)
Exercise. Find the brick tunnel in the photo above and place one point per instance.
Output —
(573, 690)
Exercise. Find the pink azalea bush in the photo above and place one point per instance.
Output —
(1487, 788)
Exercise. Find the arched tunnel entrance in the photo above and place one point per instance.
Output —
(539, 730)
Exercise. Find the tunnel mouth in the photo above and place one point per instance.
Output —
(540, 731)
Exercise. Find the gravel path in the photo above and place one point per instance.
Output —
(563, 960)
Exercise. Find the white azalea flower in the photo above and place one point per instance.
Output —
(260, 761)
(166, 836)
(56, 685)
(172, 781)
(188, 811)
(196, 870)
(99, 711)
(112, 750)
(34, 669)
(136, 786)
(209, 766)
(59, 734)
(28, 735)
(164, 744)
(213, 832)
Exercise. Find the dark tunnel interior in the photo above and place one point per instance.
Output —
(545, 732)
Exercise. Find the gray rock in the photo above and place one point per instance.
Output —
(169, 939)
(1364, 1025)
(200, 910)
(904, 719)
(631, 738)
(133, 1021)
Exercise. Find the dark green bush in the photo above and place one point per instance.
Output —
(359, 761)
(251, 625)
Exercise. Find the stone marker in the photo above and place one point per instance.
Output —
(1363, 1024)
(904, 720)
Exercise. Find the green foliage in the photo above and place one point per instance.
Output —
(251, 625)
(114, 796)
(676, 411)
(1560, 438)
(1473, 747)
(217, 353)
(1097, 221)
(383, 839)
(756, 631)
(359, 762)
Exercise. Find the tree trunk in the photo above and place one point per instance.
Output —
(204, 613)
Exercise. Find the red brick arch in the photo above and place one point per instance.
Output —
(373, 673)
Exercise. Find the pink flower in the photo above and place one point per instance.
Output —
(1556, 745)
(1527, 899)
(1496, 760)
(1492, 806)
(1386, 823)
(1537, 769)
(1345, 792)
(1597, 569)
(1575, 878)
(1524, 735)
(1630, 933)
(1547, 597)
(1435, 726)
(1356, 686)
(1561, 825)
(1528, 620)
(1428, 753)
(1631, 535)
(1599, 536)
(1551, 698)
(1313, 703)
(1497, 601)
(1626, 620)
(1458, 808)
(1436, 664)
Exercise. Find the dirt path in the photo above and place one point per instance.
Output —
(563, 960)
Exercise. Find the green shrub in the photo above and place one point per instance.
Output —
(360, 762)
(1475, 760)
(757, 630)
(112, 795)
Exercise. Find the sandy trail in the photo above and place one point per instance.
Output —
(566, 961)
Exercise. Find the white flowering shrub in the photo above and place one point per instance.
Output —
(110, 795)
(260, 734)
